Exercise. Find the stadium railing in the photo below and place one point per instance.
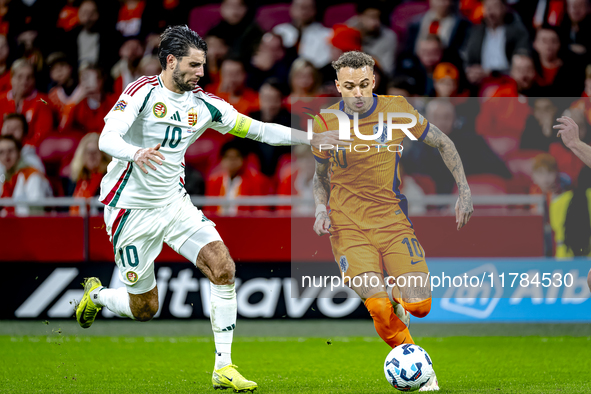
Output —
(91, 205)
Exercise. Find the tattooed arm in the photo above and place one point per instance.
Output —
(321, 196)
(437, 139)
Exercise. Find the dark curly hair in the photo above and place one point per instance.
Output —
(354, 60)
(176, 41)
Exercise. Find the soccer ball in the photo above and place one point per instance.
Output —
(408, 367)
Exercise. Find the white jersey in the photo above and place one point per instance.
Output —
(156, 115)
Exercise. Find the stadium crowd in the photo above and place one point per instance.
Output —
(492, 74)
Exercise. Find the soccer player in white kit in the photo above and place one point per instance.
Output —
(147, 133)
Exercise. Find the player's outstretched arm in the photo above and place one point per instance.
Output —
(437, 139)
(321, 196)
(568, 130)
(277, 135)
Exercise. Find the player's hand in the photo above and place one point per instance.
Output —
(568, 130)
(464, 210)
(322, 224)
(329, 140)
(143, 156)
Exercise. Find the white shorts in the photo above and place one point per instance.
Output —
(137, 236)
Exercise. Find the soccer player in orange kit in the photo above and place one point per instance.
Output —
(370, 231)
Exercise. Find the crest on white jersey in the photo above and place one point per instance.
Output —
(159, 110)
(192, 117)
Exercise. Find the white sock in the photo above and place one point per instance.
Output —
(117, 300)
(223, 322)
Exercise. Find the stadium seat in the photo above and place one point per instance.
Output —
(203, 18)
(502, 146)
(339, 13)
(520, 163)
(425, 182)
(283, 169)
(402, 15)
(203, 154)
(56, 147)
(269, 16)
(485, 184)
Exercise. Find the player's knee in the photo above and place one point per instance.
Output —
(419, 309)
(223, 273)
(146, 311)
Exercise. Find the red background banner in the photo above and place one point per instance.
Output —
(266, 239)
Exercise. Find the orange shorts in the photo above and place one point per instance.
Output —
(394, 249)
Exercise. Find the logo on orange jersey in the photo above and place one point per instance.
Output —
(192, 117)
(344, 264)
(159, 110)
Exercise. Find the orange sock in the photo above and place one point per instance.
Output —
(418, 309)
(389, 327)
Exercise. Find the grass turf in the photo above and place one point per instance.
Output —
(77, 364)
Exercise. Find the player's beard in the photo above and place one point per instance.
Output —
(178, 78)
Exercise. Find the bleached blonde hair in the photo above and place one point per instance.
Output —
(77, 169)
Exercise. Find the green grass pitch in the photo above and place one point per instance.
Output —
(59, 363)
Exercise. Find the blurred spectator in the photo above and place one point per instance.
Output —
(161, 13)
(472, 10)
(234, 178)
(546, 179)
(547, 182)
(93, 41)
(299, 181)
(523, 71)
(60, 73)
(537, 13)
(90, 103)
(12, 19)
(443, 20)
(491, 44)
(129, 22)
(560, 73)
(402, 85)
(307, 36)
(446, 79)
(217, 51)
(126, 70)
(149, 65)
(269, 60)
(304, 79)
(15, 126)
(343, 39)
(20, 181)
(232, 87)
(420, 67)
(5, 84)
(271, 111)
(87, 169)
(570, 219)
(238, 29)
(68, 16)
(576, 27)
(477, 157)
(538, 133)
(377, 40)
(24, 99)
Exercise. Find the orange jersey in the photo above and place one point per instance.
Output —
(365, 183)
